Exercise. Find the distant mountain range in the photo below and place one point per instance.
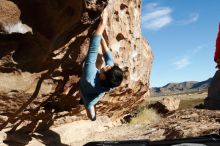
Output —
(183, 87)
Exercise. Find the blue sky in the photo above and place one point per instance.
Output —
(182, 35)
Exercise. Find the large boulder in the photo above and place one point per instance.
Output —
(166, 105)
(44, 62)
(213, 99)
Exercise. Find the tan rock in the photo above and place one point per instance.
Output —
(10, 18)
(190, 123)
(166, 105)
(3, 136)
(48, 63)
(9, 13)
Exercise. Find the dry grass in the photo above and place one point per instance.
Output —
(146, 116)
(190, 103)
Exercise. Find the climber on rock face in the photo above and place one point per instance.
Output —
(217, 51)
(94, 83)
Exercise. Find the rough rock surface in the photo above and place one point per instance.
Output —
(213, 99)
(42, 48)
(166, 105)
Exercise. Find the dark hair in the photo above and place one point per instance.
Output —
(113, 77)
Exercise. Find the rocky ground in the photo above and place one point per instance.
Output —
(181, 124)
(178, 124)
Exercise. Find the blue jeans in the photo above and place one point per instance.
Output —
(91, 113)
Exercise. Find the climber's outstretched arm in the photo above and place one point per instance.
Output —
(102, 24)
(107, 54)
(104, 45)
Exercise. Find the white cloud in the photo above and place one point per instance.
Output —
(182, 63)
(185, 61)
(192, 18)
(197, 49)
(154, 17)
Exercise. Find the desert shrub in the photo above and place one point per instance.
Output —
(146, 116)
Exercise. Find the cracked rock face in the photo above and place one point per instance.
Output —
(43, 45)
